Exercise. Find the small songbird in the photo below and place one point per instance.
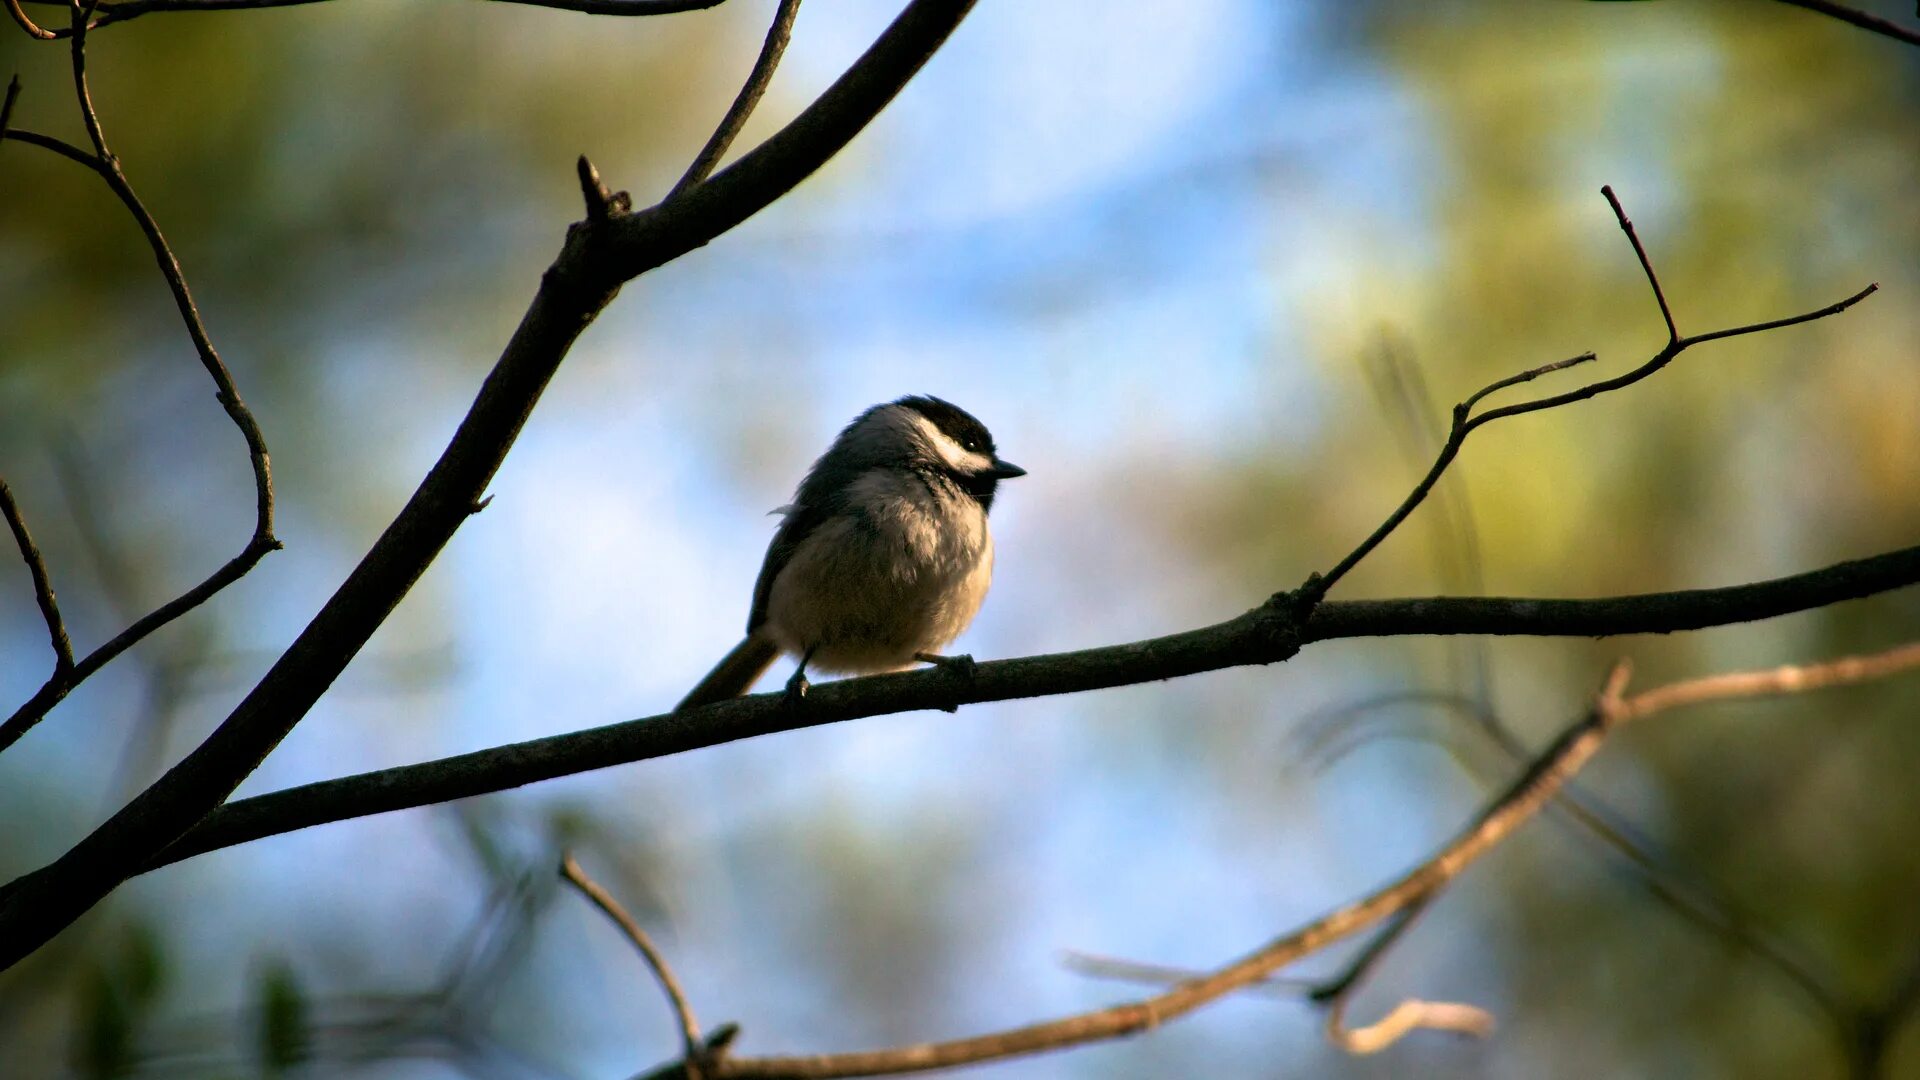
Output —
(883, 556)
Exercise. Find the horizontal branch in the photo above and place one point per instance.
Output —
(1264, 635)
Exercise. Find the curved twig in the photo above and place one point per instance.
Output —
(105, 165)
(744, 102)
(692, 1046)
(1861, 19)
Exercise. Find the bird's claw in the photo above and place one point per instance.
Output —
(796, 692)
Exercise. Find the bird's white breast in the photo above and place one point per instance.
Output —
(907, 574)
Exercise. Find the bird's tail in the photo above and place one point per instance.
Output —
(734, 674)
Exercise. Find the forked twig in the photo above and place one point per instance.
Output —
(1465, 422)
(743, 103)
(694, 1049)
(104, 164)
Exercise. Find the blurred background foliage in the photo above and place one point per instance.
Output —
(1213, 273)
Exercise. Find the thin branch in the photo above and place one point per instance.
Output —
(694, 1049)
(1646, 264)
(1685, 893)
(743, 103)
(1404, 1019)
(597, 258)
(1526, 376)
(1264, 635)
(32, 28)
(1523, 798)
(1860, 19)
(113, 13)
(107, 167)
(6, 107)
(1134, 971)
(1464, 424)
(30, 554)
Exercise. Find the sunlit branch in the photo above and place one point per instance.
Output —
(1524, 797)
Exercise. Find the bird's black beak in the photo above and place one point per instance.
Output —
(1005, 470)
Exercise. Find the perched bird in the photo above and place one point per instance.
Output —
(883, 556)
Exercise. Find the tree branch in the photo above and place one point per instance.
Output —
(1464, 424)
(743, 103)
(598, 256)
(1861, 19)
(37, 565)
(105, 165)
(126, 10)
(1264, 635)
(693, 1049)
(1524, 797)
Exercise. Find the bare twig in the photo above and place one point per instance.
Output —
(32, 28)
(1134, 971)
(126, 10)
(1646, 264)
(1859, 18)
(1465, 424)
(1262, 636)
(107, 167)
(743, 103)
(30, 554)
(1685, 893)
(1404, 1019)
(694, 1049)
(6, 107)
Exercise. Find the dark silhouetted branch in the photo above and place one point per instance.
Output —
(1265, 635)
(596, 259)
(112, 13)
(37, 565)
(1465, 423)
(743, 103)
(1859, 18)
(107, 167)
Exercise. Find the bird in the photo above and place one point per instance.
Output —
(882, 558)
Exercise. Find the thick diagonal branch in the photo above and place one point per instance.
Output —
(597, 258)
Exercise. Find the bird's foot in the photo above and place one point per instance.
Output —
(796, 692)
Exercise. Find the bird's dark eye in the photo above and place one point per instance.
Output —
(971, 446)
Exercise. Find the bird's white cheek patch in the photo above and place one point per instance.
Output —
(955, 455)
